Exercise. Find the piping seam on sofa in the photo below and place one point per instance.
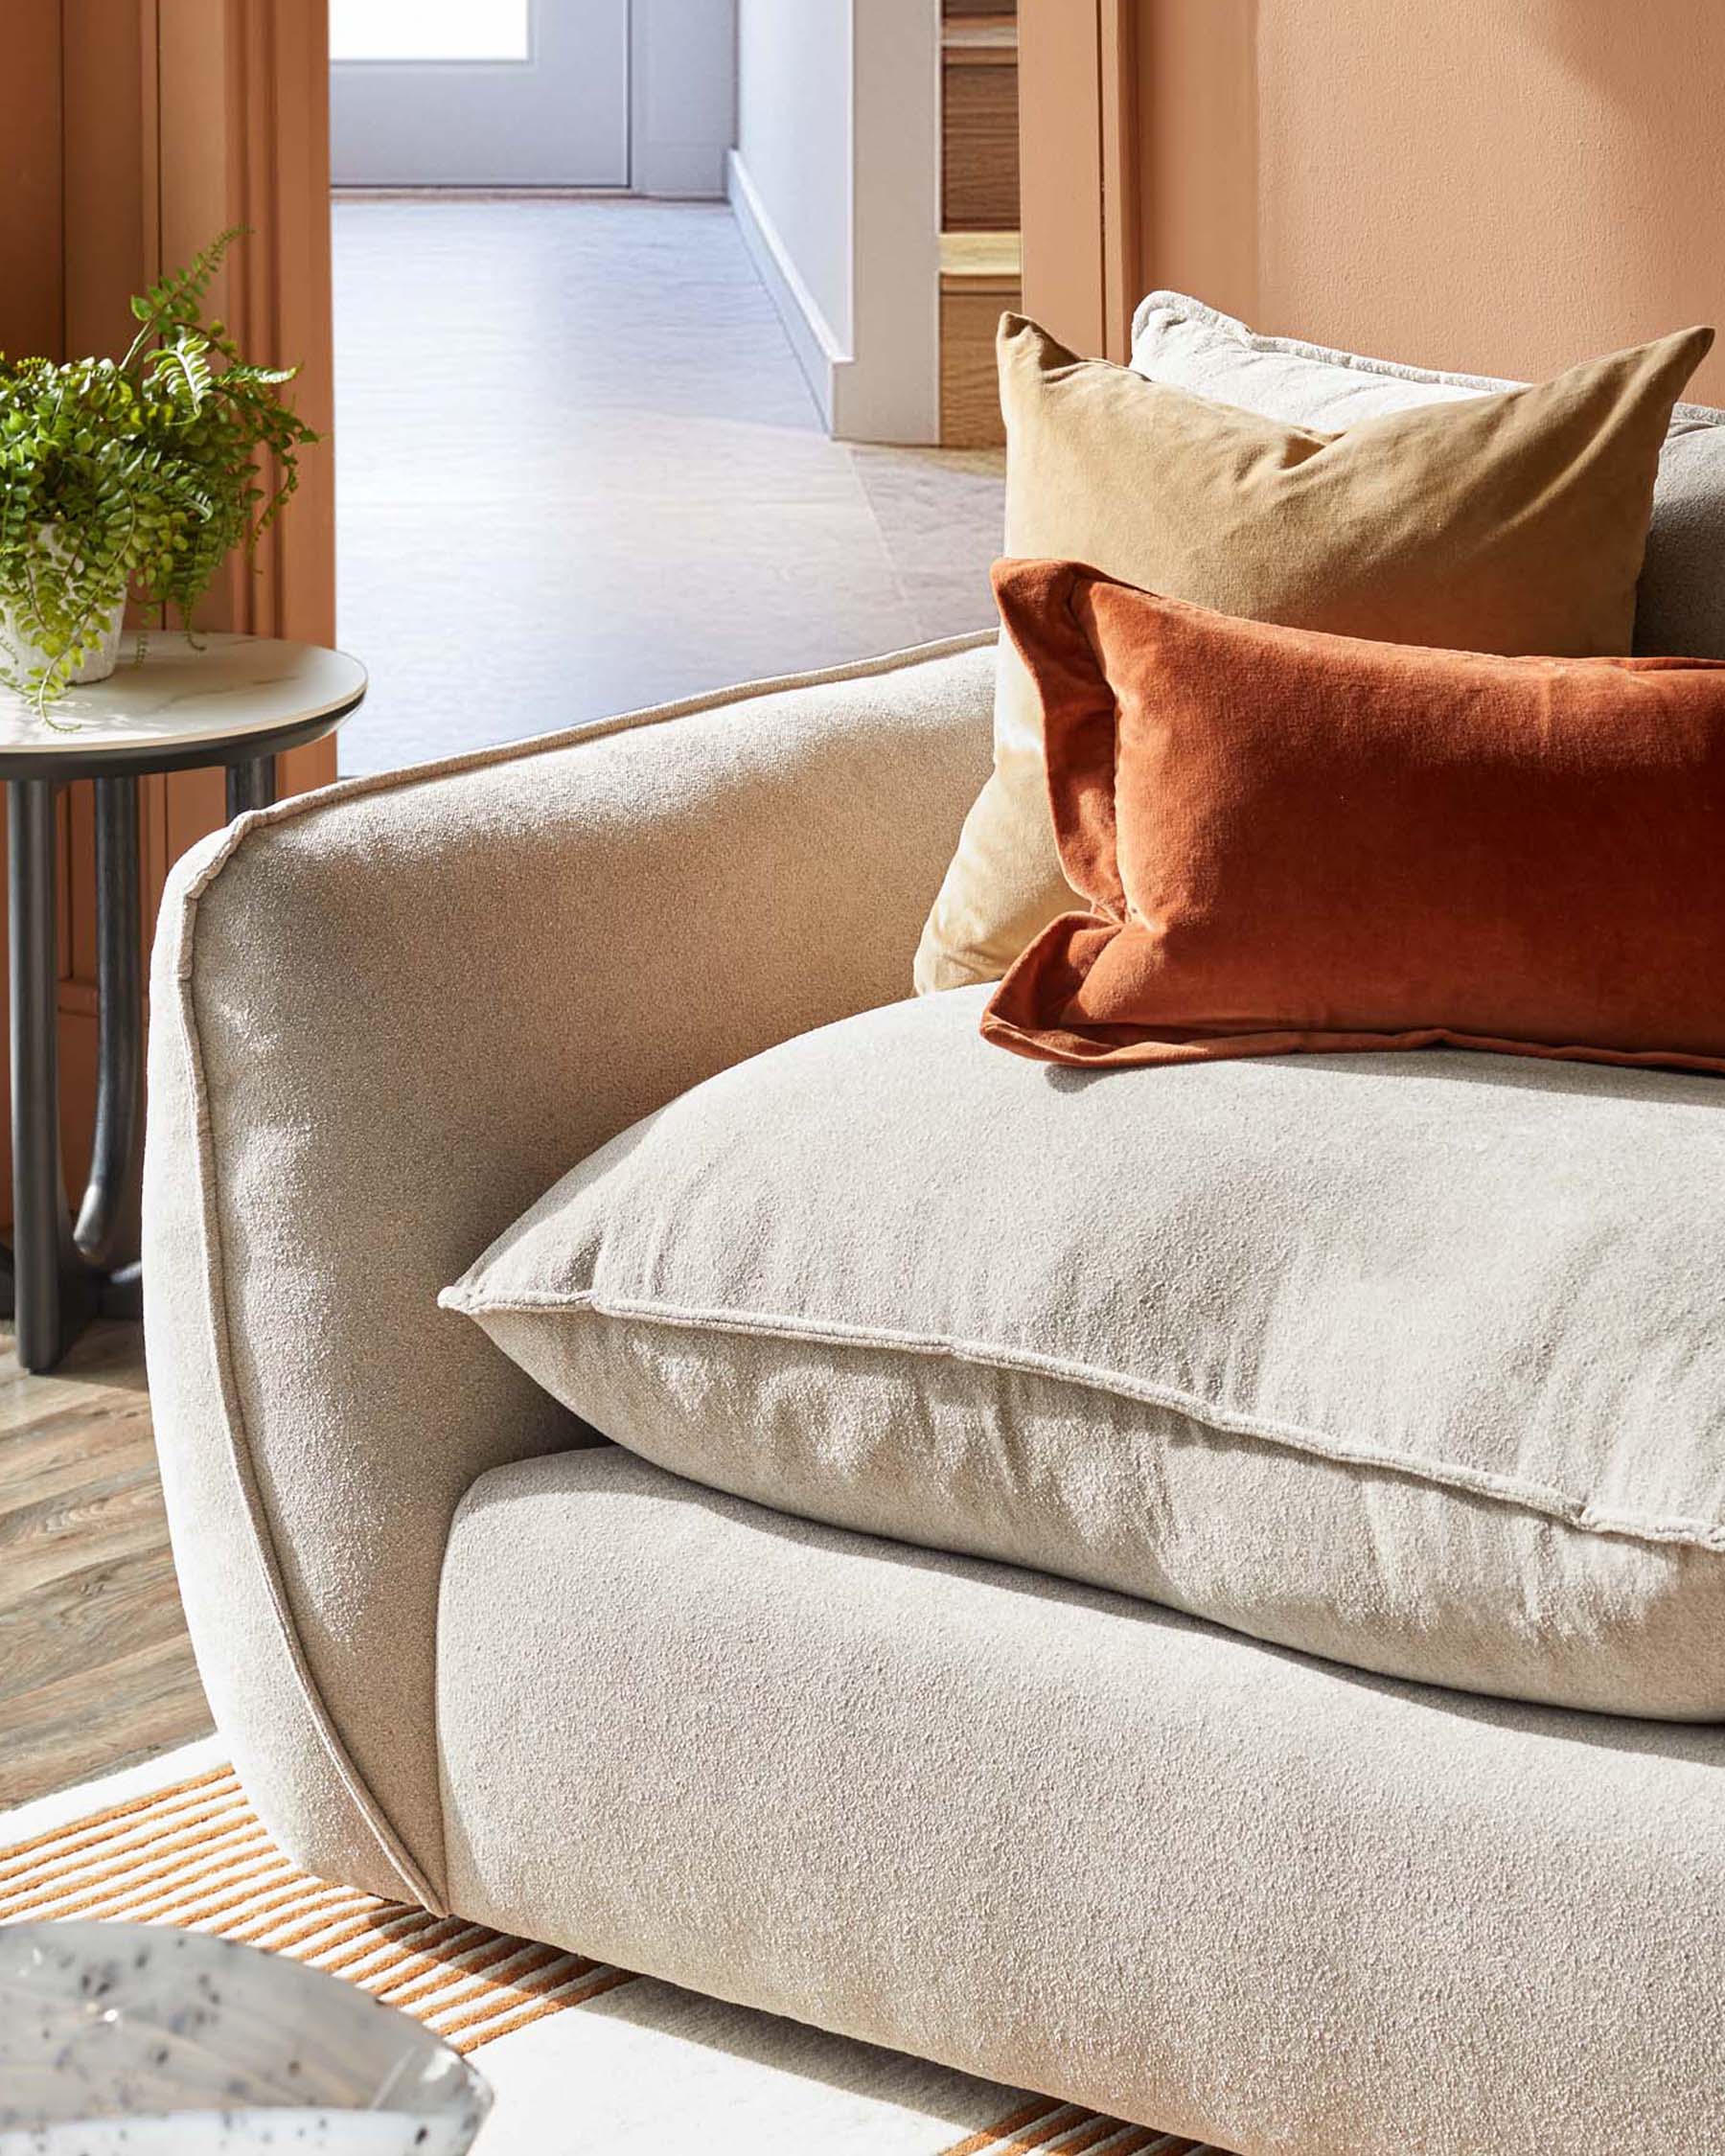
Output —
(1562, 1506)
(598, 729)
(215, 1305)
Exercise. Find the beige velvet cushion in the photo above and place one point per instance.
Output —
(1511, 522)
(1415, 1361)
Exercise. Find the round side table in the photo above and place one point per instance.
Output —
(172, 704)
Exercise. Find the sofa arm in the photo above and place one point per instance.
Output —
(384, 1018)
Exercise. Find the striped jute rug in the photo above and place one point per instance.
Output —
(193, 1853)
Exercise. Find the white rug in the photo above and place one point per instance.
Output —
(585, 2060)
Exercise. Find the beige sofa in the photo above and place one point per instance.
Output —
(467, 1656)
(1245, 1880)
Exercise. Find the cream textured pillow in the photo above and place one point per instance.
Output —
(1514, 521)
(1325, 1348)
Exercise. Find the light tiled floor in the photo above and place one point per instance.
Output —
(579, 471)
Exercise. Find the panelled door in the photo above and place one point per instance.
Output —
(479, 93)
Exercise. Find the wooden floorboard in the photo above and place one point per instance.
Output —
(96, 1670)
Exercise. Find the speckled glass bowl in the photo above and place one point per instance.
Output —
(141, 2040)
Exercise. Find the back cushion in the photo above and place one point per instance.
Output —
(1681, 606)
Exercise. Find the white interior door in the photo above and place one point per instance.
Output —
(479, 93)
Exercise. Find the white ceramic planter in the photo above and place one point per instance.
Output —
(23, 656)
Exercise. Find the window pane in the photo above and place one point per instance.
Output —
(429, 29)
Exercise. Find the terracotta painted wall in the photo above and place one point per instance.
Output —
(1496, 185)
(32, 298)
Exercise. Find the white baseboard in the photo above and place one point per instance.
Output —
(823, 359)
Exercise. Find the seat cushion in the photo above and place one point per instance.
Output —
(1069, 1842)
(1412, 1361)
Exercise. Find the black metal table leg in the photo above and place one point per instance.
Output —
(41, 1233)
(251, 784)
(61, 1275)
(106, 1231)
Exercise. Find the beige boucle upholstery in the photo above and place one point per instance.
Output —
(1071, 1841)
(384, 1018)
(1059, 1838)
(1416, 1360)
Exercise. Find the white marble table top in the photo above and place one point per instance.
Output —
(180, 692)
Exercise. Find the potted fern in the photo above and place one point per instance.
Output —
(133, 478)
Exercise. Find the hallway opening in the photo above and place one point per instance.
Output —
(581, 470)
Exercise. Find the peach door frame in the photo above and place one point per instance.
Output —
(135, 131)
(1081, 208)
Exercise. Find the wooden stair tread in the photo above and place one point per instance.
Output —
(969, 258)
(980, 41)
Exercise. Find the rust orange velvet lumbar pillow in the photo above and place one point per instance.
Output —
(1297, 840)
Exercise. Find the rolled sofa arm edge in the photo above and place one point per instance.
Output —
(270, 1156)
